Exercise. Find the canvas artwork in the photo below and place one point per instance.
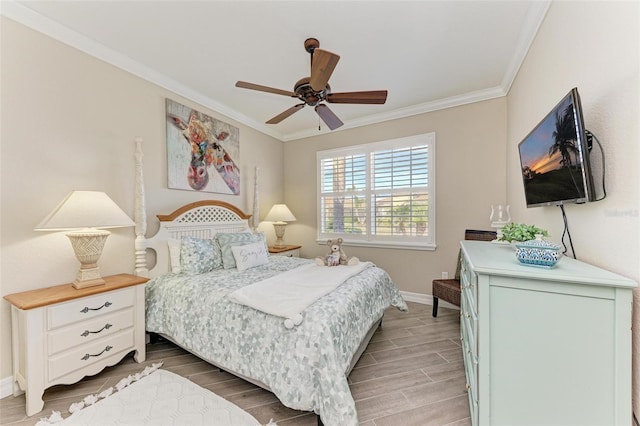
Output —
(203, 153)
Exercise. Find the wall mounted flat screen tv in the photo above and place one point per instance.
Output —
(554, 157)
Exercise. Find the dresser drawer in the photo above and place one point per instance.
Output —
(468, 309)
(467, 324)
(89, 307)
(80, 333)
(473, 410)
(470, 369)
(82, 356)
(468, 279)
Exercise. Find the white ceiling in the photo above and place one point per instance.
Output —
(428, 54)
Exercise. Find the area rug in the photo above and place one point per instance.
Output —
(154, 397)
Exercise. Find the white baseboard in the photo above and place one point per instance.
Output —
(6, 384)
(425, 299)
(6, 387)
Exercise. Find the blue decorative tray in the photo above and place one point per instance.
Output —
(538, 252)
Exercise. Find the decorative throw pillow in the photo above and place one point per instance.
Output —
(198, 255)
(226, 241)
(217, 255)
(250, 255)
(174, 255)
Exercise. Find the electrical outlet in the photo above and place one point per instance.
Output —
(445, 275)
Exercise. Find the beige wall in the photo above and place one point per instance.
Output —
(593, 46)
(69, 122)
(470, 176)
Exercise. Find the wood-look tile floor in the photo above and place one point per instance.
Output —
(411, 374)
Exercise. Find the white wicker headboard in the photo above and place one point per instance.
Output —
(201, 219)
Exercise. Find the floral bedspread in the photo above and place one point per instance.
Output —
(304, 366)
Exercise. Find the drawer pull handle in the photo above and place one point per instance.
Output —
(87, 332)
(86, 309)
(87, 356)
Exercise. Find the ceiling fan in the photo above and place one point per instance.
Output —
(315, 90)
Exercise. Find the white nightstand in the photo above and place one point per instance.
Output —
(61, 334)
(289, 251)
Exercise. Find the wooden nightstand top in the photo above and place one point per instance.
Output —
(274, 249)
(61, 293)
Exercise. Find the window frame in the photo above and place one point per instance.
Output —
(367, 239)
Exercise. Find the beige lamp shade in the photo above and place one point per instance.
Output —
(280, 215)
(86, 214)
(85, 209)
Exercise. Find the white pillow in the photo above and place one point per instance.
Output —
(174, 255)
(229, 239)
(250, 255)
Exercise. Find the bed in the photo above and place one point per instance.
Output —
(306, 364)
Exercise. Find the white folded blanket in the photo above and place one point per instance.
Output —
(288, 294)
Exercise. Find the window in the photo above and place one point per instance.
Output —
(380, 194)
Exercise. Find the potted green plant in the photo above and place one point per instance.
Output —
(520, 232)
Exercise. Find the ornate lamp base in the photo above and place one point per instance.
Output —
(279, 228)
(87, 245)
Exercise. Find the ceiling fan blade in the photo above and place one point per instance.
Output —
(370, 97)
(323, 63)
(330, 119)
(278, 118)
(245, 85)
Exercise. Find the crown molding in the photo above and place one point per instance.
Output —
(535, 17)
(19, 13)
(453, 101)
(42, 24)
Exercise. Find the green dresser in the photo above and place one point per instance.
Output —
(544, 346)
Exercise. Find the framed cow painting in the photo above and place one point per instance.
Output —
(203, 153)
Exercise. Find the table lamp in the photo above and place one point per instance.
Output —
(86, 214)
(280, 215)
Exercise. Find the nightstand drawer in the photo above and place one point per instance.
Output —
(89, 307)
(288, 253)
(85, 355)
(84, 332)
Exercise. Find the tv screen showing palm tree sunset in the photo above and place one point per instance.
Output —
(551, 158)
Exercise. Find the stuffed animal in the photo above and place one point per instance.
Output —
(336, 255)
